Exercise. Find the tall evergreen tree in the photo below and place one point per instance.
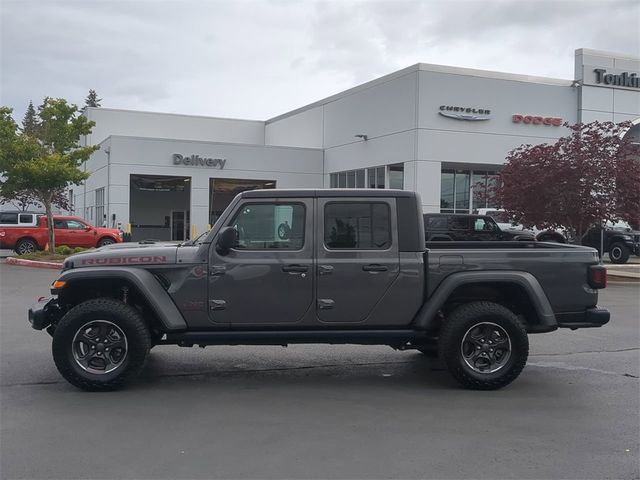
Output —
(92, 99)
(30, 121)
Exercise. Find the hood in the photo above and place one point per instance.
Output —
(126, 254)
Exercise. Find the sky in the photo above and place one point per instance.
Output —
(257, 59)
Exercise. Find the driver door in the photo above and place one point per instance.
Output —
(267, 279)
(80, 234)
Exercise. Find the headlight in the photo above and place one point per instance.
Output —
(627, 237)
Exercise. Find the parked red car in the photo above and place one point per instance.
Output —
(70, 231)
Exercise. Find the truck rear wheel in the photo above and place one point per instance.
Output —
(26, 245)
(619, 253)
(483, 345)
(101, 344)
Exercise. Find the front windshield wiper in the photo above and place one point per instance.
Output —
(194, 241)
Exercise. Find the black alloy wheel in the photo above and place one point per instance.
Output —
(101, 344)
(483, 345)
(26, 245)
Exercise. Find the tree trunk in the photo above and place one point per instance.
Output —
(52, 236)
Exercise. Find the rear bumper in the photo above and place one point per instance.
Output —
(590, 318)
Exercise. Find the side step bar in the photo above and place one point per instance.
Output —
(284, 337)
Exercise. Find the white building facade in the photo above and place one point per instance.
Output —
(443, 132)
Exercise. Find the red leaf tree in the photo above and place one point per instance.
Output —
(586, 178)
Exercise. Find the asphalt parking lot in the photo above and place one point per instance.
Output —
(322, 411)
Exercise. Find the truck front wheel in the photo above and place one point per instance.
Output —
(483, 345)
(100, 344)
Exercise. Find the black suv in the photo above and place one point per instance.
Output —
(467, 227)
(619, 243)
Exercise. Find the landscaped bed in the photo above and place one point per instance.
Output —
(46, 256)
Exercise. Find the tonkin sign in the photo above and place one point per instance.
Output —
(198, 161)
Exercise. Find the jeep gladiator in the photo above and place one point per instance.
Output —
(318, 266)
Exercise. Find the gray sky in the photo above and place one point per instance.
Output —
(258, 59)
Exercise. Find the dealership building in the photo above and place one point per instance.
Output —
(441, 131)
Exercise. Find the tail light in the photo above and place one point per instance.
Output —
(597, 276)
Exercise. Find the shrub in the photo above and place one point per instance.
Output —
(64, 250)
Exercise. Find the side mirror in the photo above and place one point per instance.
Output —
(227, 239)
(87, 228)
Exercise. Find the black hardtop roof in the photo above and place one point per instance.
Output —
(453, 215)
(327, 192)
(29, 212)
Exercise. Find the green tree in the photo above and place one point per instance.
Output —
(30, 121)
(47, 163)
(92, 99)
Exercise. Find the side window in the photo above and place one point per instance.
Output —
(267, 226)
(459, 223)
(25, 218)
(75, 225)
(9, 218)
(363, 226)
(59, 224)
(437, 223)
(483, 225)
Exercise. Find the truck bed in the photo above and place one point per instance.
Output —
(561, 269)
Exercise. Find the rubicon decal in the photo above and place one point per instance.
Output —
(125, 260)
(465, 113)
(537, 120)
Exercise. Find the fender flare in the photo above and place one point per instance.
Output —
(425, 317)
(148, 286)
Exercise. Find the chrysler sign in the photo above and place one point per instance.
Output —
(198, 161)
(465, 113)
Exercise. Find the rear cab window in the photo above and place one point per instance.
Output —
(25, 218)
(357, 226)
(459, 223)
(437, 223)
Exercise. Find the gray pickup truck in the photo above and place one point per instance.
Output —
(318, 266)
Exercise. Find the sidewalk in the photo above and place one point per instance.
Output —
(627, 271)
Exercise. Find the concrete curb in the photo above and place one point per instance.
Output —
(33, 263)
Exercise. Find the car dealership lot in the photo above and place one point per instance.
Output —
(322, 411)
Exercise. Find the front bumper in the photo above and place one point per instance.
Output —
(590, 318)
(44, 312)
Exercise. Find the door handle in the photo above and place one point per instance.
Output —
(374, 267)
(325, 269)
(217, 304)
(325, 303)
(295, 268)
(217, 270)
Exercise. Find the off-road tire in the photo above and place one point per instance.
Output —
(126, 318)
(461, 321)
(106, 241)
(26, 245)
(619, 253)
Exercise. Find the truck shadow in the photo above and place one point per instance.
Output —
(410, 369)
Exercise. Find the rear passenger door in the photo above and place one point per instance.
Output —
(358, 259)
(62, 233)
